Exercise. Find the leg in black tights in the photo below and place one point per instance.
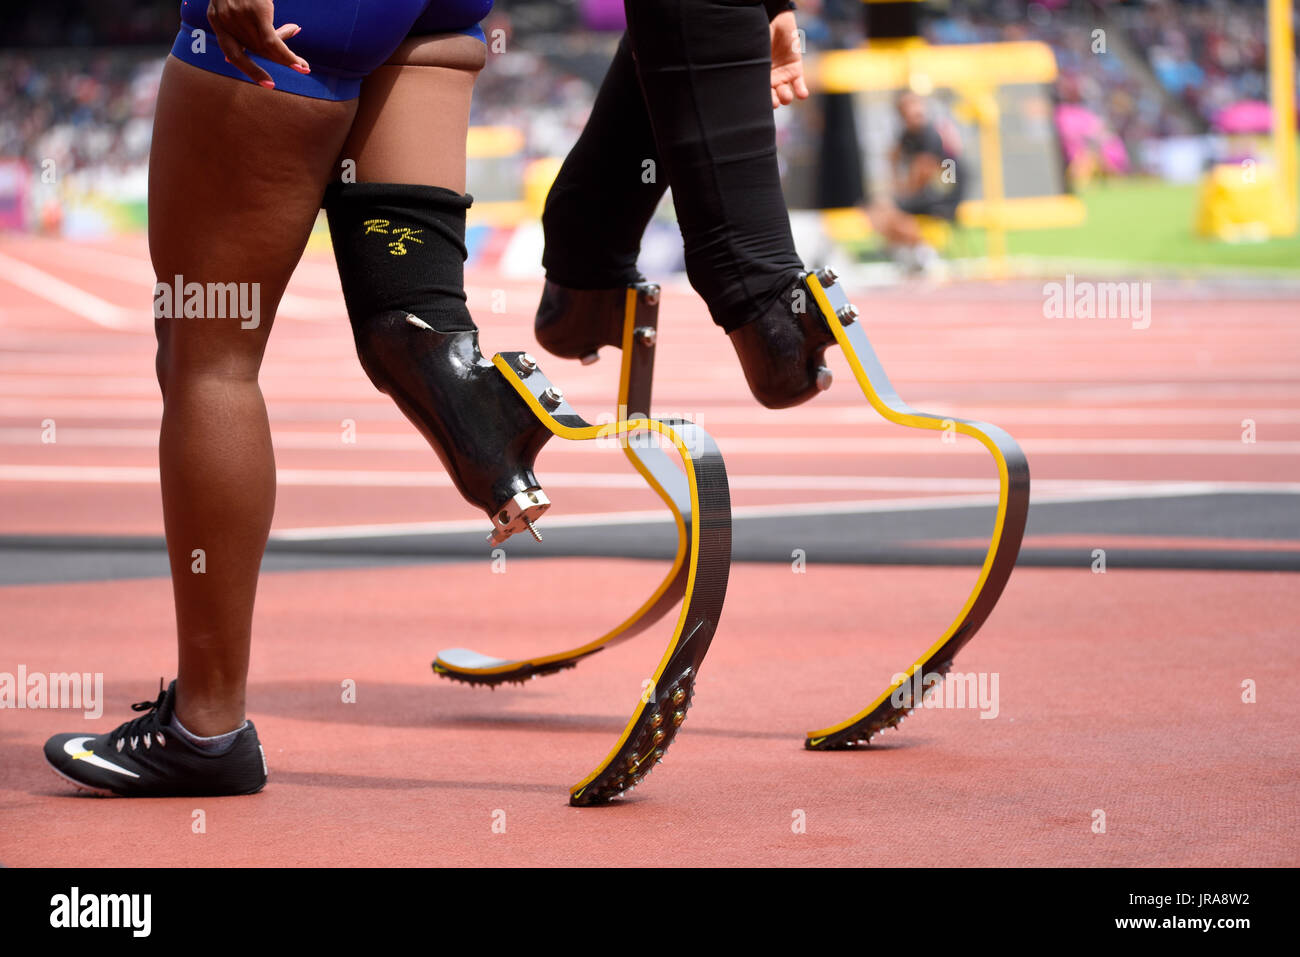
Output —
(685, 103)
(688, 91)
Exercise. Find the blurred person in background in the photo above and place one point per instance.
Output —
(927, 182)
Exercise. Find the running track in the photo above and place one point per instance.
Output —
(1119, 692)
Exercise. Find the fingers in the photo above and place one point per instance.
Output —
(785, 93)
(800, 87)
(240, 60)
(273, 47)
(253, 30)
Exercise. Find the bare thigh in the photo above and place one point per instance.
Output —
(413, 116)
(236, 174)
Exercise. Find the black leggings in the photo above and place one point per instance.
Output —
(686, 105)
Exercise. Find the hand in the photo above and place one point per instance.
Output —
(787, 61)
(248, 25)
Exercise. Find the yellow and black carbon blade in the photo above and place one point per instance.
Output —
(640, 330)
(891, 706)
(666, 695)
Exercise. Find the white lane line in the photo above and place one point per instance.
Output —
(345, 478)
(293, 305)
(709, 416)
(69, 297)
(1114, 492)
(846, 446)
(148, 475)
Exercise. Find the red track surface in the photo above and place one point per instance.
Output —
(1119, 692)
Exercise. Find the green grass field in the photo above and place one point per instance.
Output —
(1132, 222)
(1138, 221)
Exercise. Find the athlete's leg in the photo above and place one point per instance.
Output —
(596, 213)
(607, 190)
(399, 242)
(704, 67)
(225, 152)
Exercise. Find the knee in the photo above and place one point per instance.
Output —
(161, 363)
(182, 360)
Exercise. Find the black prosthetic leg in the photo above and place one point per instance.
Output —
(400, 252)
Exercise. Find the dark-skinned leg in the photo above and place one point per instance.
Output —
(235, 181)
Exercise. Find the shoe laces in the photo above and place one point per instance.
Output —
(143, 729)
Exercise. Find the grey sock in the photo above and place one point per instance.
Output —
(213, 745)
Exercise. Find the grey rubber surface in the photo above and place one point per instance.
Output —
(919, 536)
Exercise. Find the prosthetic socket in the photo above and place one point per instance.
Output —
(782, 349)
(400, 251)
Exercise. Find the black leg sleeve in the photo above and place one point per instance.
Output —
(605, 193)
(400, 251)
(704, 68)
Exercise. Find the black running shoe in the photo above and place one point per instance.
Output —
(145, 757)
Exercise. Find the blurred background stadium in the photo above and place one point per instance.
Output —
(1108, 144)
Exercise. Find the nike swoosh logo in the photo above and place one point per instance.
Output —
(76, 748)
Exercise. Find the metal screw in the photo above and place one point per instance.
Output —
(652, 294)
(527, 363)
(646, 335)
(847, 313)
(533, 530)
(552, 397)
(827, 276)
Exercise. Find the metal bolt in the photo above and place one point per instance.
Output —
(652, 294)
(679, 696)
(526, 363)
(536, 534)
(646, 335)
(847, 313)
(552, 397)
(827, 276)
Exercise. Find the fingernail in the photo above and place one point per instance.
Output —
(302, 67)
(269, 84)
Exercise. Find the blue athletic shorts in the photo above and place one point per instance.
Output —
(343, 40)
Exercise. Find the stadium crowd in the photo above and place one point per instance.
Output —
(86, 100)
